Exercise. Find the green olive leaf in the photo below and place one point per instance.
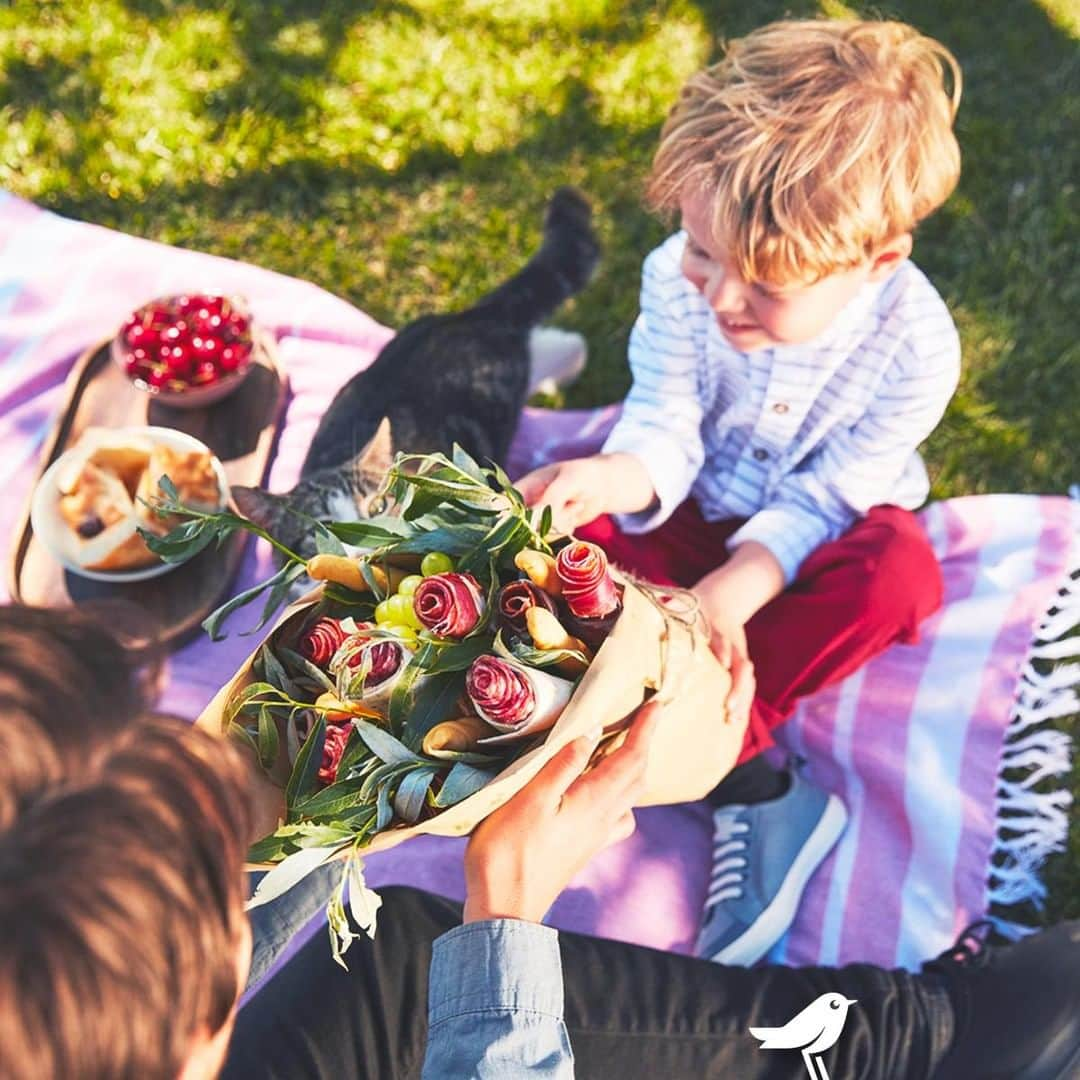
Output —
(305, 772)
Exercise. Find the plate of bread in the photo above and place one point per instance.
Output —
(90, 504)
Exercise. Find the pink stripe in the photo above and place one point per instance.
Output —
(984, 745)
(818, 731)
(14, 213)
(872, 912)
(807, 936)
(39, 292)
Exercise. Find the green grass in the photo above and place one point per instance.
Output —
(399, 154)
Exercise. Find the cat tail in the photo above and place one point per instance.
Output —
(563, 265)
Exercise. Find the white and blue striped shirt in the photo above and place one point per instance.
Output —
(799, 439)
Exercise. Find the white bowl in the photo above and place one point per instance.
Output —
(59, 539)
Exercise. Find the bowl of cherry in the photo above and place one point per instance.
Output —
(187, 351)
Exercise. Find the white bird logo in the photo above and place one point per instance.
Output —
(812, 1031)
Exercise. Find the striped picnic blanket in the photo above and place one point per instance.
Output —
(915, 743)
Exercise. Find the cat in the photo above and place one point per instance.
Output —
(456, 378)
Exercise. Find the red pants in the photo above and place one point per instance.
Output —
(851, 599)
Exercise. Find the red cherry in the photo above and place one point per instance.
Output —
(175, 333)
(163, 353)
(158, 377)
(237, 325)
(207, 322)
(232, 357)
(136, 334)
(186, 304)
(179, 359)
(139, 355)
(205, 373)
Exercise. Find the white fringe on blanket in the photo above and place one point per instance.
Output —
(1032, 816)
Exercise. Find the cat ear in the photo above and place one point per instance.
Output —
(378, 455)
(259, 506)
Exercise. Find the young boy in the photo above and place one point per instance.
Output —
(787, 362)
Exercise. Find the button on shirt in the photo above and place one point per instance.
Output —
(799, 439)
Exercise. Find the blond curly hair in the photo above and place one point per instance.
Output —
(817, 141)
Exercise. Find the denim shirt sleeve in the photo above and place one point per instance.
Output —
(495, 1004)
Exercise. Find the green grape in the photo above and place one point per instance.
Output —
(402, 632)
(382, 612)
(435, 562)
(400, 609)
(408, 584)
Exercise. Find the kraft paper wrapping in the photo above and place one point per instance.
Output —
(651, 649)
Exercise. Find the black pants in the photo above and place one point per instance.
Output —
(631, 1012)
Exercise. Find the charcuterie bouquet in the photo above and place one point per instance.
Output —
(452, 645)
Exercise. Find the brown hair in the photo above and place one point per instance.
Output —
(121, 910)
(67, 688)
(817, 141)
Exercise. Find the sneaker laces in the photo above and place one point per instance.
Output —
(729, 863)
(969, 950)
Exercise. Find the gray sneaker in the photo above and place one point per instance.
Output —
(763, 857)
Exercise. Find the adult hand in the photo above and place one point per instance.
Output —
(582, 489)
(524, 854)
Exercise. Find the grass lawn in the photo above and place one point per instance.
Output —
(399, 153)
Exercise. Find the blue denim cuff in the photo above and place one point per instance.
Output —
(496, 965)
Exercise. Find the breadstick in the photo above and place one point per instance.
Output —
(389, 579)
(339, 569)
(549, 634)
(540, 569)
(342, 570)
(338, 711)
(455, 735)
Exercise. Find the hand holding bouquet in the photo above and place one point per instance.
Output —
(455, 645)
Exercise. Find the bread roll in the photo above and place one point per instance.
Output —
(192, 474)
(125, 455)
(100, 512)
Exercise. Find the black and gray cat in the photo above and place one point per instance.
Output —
(444, 379)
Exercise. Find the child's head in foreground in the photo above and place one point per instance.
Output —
(801, 163)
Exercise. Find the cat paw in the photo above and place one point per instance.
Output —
(556, 358)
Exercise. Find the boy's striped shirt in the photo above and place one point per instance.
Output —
(799, 439)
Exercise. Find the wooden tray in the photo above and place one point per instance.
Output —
(240, 430)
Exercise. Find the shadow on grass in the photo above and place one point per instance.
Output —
(61, 83)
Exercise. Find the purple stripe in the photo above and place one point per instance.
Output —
(39, 383)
